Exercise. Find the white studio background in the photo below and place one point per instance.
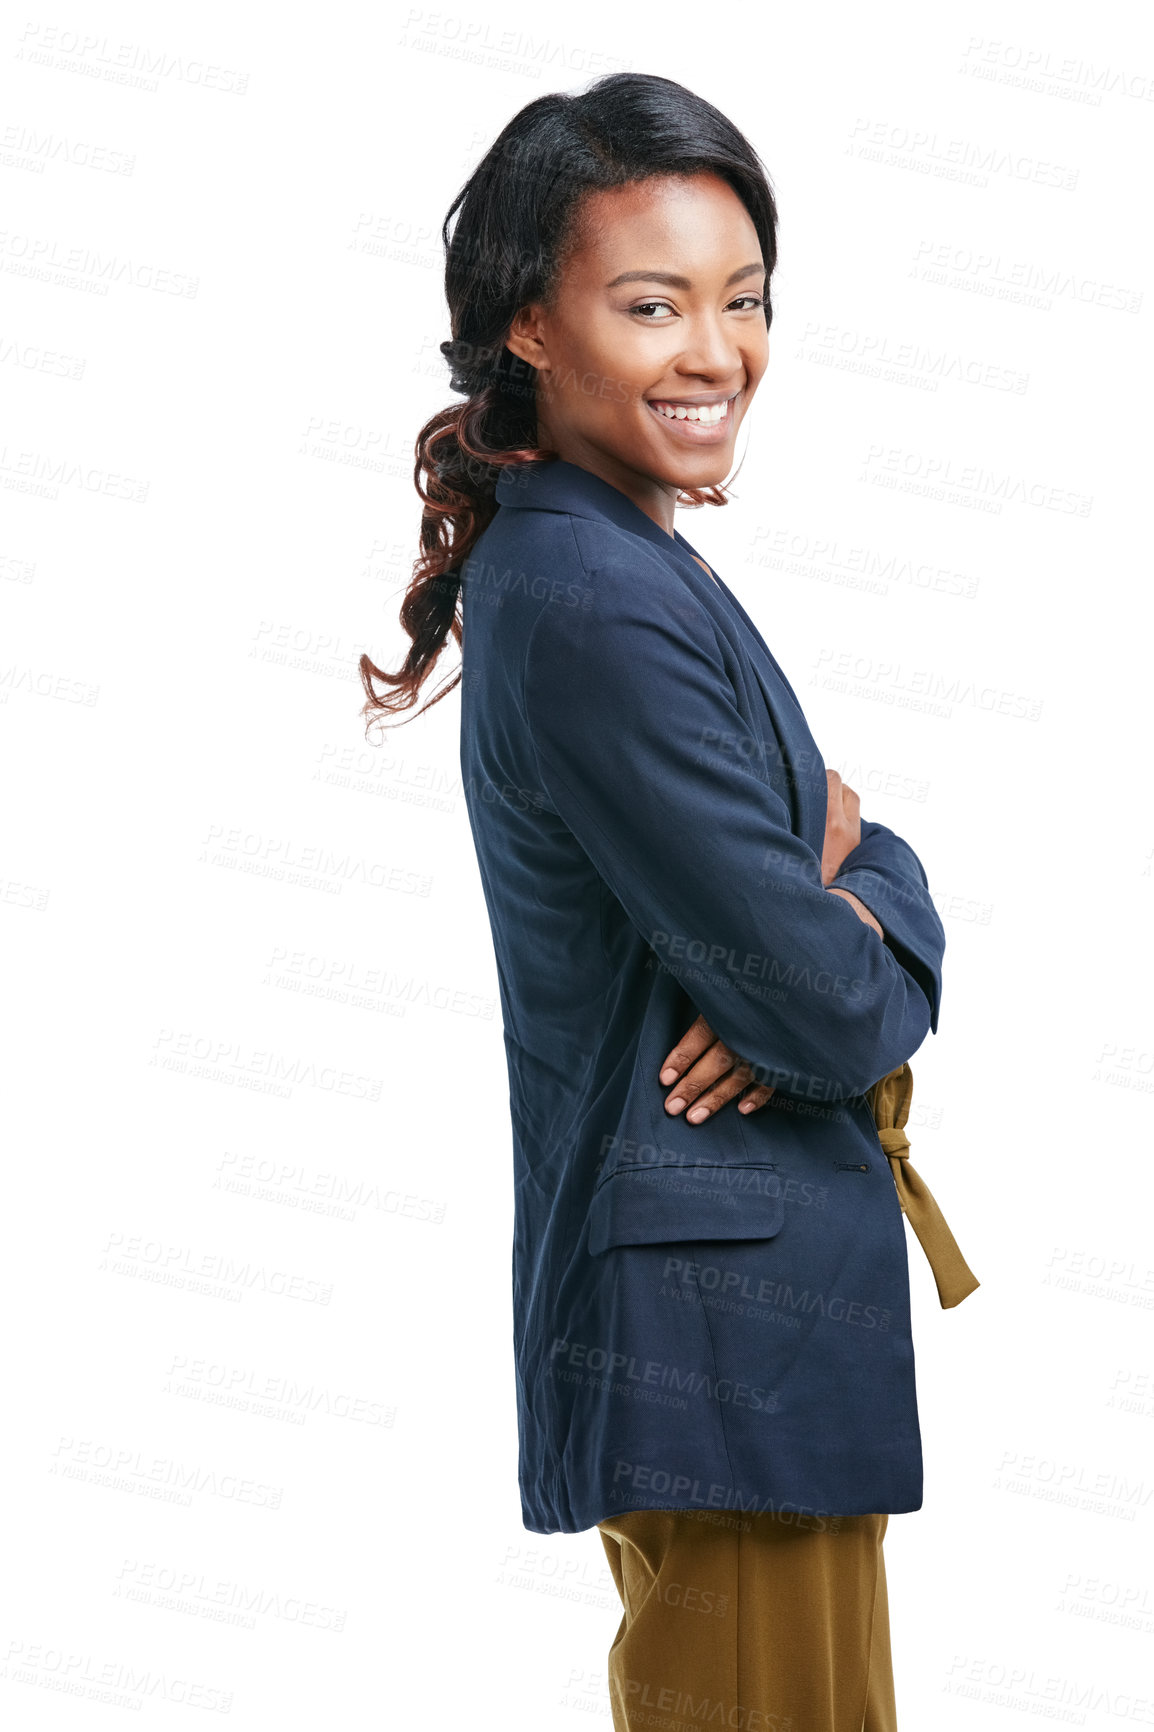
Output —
(260, 1435)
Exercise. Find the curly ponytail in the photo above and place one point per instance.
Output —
(460, 453)
(519, 216)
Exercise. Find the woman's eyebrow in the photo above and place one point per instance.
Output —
(679, 282)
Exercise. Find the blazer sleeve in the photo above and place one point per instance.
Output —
(887, 875)
(623, 698)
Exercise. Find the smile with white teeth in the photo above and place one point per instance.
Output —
(709, 413)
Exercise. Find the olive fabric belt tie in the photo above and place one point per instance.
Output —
(889, 1100)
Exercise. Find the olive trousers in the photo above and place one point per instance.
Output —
(760, 1622)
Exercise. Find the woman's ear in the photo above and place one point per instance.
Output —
(526, 336)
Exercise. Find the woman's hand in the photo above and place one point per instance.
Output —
(707, 1074)
(842, 825)
(842, 835)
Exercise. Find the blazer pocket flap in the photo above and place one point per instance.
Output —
(702, 1200)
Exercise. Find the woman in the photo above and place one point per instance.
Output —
(706, 958)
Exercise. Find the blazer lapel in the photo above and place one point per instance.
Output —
(765, 664)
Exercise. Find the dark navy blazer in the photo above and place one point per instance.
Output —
(713, 1315)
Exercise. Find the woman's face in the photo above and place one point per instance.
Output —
(660, 304)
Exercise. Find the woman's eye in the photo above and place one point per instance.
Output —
(754, 301)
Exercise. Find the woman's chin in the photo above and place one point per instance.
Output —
(706, 466)
(702, 471)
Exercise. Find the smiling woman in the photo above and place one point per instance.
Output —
(711, 1312)
(561, 170)
(682, 365)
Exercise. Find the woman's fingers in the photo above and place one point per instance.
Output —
(707, 1073)
(688, 1050)
(718, 1076)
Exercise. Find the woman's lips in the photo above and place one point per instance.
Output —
(696, 432)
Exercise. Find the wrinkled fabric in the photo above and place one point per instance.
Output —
(711, 1315)
(762, 1622)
